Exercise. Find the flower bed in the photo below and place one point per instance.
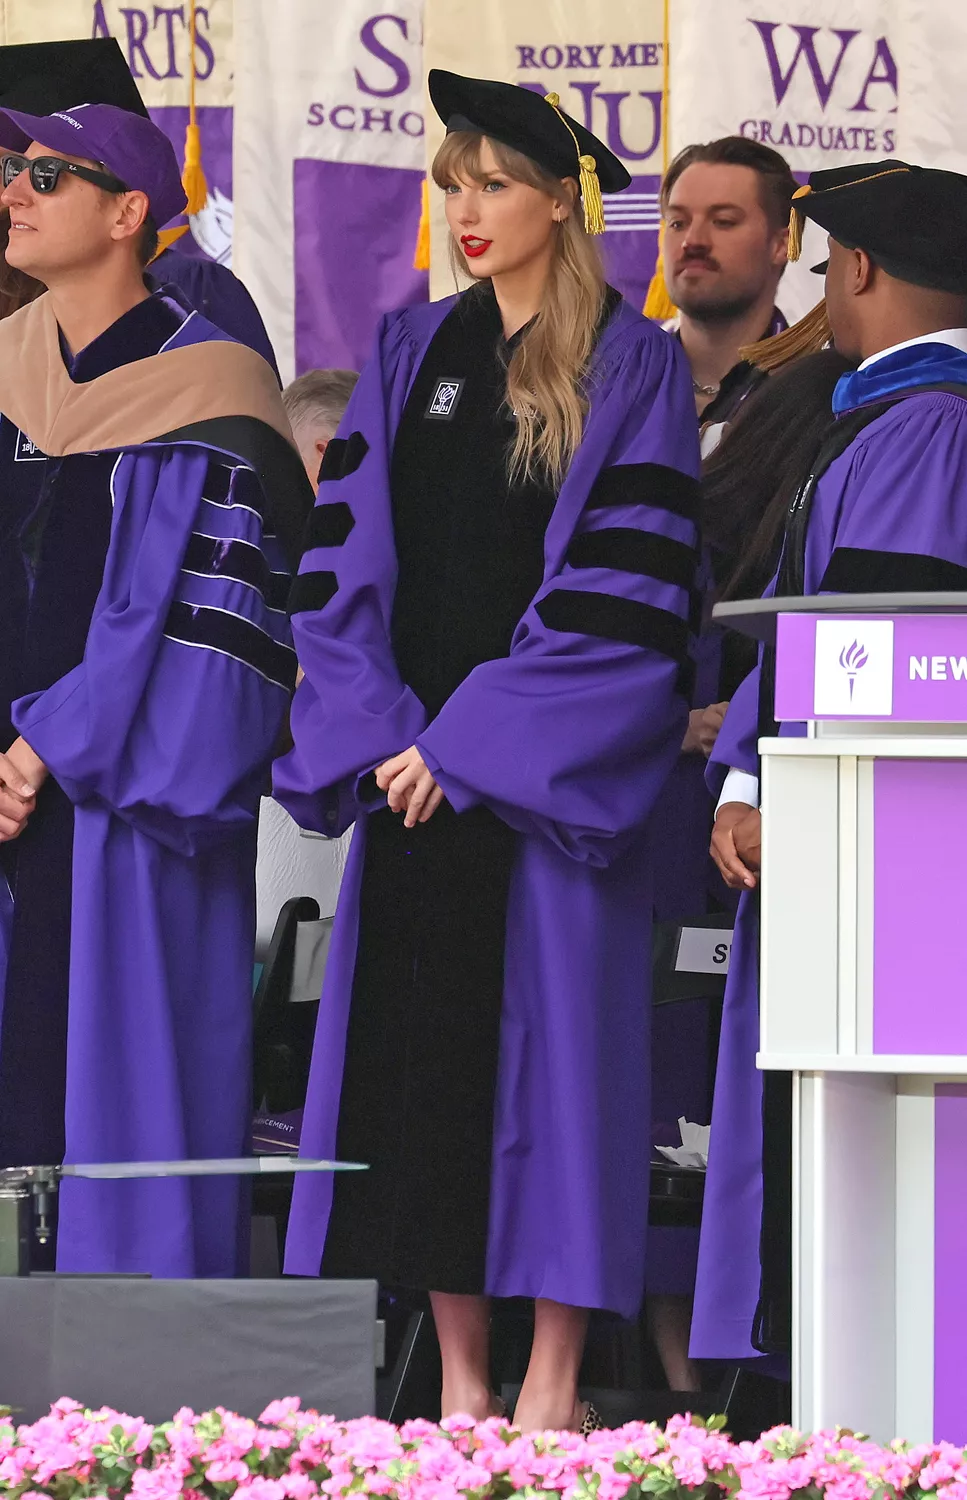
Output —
(290, 1454)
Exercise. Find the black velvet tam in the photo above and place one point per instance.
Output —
(910, 220)
(43, 77)
(523, 120)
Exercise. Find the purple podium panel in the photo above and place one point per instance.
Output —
(911, 668)
(949, 1260)
(920, 832)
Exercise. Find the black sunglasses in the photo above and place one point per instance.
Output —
(45, 173)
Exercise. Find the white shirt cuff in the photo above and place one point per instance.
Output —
(739, 787)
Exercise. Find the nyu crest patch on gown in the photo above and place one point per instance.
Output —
(26, 451)
(443, 402)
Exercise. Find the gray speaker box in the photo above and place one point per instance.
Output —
(149, 1347)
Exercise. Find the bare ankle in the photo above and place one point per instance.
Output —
(469, 1398)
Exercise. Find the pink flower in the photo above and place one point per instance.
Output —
(277, 1411)
(224, 1470)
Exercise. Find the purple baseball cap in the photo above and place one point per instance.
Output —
(131, 147)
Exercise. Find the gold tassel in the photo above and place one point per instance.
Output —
(421, 255)
(591, 196)
(811, 334)
(796, 221)
(590, 186)
(193, 176)
(658, 302)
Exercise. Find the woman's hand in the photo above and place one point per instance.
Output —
(409, 787)
(22, 774)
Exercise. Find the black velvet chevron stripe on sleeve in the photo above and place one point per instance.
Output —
(630, 551)
(230, 635)
(861, 570)
(646, 484)
(329, 525)
(311, 592)
(613, 619)
(343, 457)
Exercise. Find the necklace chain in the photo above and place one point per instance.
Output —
(706, 390)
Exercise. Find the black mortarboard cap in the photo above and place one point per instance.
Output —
(910, 220)
(531, 123)
(41, 78)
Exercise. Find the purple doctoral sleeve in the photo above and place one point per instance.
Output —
(573, 734)
(352, 711)
(170, 718)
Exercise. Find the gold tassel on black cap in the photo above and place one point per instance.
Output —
(796, 218)
(588, 176)
(811, 334)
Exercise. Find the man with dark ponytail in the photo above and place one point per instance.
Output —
(492, 616)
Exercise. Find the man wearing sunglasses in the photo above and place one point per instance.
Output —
(151, 503)
(41, 77)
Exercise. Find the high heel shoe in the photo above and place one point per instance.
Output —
(593, 1421)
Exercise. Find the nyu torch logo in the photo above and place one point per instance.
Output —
(853, 677)
(853, 659)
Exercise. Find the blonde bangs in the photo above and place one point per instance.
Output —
(459, 160)
(545, 373)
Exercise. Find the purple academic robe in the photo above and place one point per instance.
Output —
(569, 740)
(680, 830)
(161, 738)
(216, 293)
(889, 514)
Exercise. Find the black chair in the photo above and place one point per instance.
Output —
(690, 962)
(285, 1005)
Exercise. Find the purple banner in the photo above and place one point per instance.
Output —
(911, 668)
(211, 230)
(355, 233)
(950, 1258)
(918, 947)
(630, 249)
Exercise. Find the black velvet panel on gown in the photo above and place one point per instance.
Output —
(421, 1058)
(55, 525)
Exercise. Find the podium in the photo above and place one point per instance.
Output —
(863, 998)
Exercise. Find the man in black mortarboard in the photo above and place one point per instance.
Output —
(41, 78)
(883, 509)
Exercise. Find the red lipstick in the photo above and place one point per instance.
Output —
(474, 246)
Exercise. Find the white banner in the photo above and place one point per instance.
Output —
(931, 42)
(328, 167)
(815, 79)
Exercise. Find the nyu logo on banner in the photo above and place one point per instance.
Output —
(853, 668)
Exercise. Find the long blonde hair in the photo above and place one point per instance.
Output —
(545, 372)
